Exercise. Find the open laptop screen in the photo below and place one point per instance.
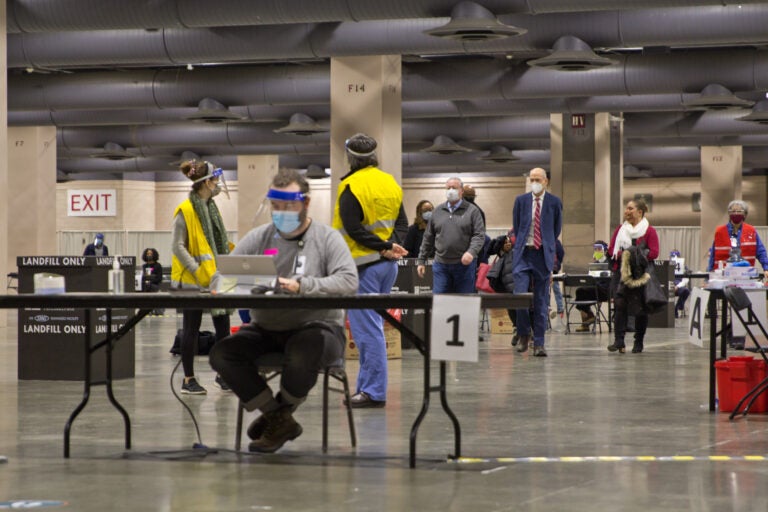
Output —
(240, 273)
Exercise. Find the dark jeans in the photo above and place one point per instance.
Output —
(192, 318)
(306, 350)
(620, 316)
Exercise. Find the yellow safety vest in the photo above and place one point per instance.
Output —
(198, 247)
(380, 197)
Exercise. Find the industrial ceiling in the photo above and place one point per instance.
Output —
(132, 86)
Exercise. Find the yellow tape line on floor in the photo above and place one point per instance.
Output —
(611, 458)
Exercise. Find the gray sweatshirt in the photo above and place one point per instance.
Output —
(320, 258)
(449, 235)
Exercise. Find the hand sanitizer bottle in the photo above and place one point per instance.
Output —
(116, 276)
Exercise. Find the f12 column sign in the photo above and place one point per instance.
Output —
(92, 203)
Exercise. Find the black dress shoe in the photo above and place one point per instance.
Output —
(637, 347)
(615, 348)
(515, 339)
(539, 352)
(363, 400)
(523, 344)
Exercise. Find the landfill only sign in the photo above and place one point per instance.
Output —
(27, 504)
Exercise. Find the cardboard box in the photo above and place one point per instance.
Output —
(391, 336)
(500, 322)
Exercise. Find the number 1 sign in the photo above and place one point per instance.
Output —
(455, 321)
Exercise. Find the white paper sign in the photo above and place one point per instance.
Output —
(455, 323)
(697, 307)
(92, 203)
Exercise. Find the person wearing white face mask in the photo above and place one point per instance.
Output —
(537, 220)
(198, 237)
(311, 259)
(455, 237)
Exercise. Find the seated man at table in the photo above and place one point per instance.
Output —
(599, 255)
(312, 259)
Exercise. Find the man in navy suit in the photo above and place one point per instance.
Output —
(537, 220)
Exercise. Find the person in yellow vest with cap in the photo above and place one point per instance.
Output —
(369, 214)
(198, 237)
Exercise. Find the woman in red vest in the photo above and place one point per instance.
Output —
(738, 237)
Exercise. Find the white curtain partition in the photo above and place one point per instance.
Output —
(132, 243)
(123, 243)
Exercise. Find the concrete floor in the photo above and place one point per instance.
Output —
(582, 401)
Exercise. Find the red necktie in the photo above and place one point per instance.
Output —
(537, 225)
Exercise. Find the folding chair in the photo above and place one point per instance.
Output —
(571, 283)
(739, 301)
(271, 365)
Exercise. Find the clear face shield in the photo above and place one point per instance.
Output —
(275, 198)
(216, 172)
(288, 209)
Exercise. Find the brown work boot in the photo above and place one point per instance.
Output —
(280, 427)
(257, 426)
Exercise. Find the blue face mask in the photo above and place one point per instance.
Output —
(286, 222)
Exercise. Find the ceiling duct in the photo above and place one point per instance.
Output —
(571, 54)
(632, 172)
(758, 115)
(301, 124)
(112, 151)
(444, 145)
(473, 22)
(211, 111)
(499, 155)
(717, 97)
(186, 156)
(316, 172)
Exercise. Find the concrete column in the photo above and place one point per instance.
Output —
(254, 174)
(720, 184)
(581, 175)
(5, 264)
(366, 97)
(32, 153)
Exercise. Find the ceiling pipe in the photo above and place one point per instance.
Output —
(608, 31)
(53, 15)
(738, 70)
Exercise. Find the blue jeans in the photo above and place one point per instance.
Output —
(558, 296)
(367, 328)
(453, 277)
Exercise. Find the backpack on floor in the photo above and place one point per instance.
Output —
(205, 342)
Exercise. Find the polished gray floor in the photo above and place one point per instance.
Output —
(527, 423)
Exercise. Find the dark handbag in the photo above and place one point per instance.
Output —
(481, 283)
(496, 272)
(654, 299)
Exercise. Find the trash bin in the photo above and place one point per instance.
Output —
(736, 376)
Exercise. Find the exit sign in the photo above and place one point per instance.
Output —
(578, 120)
(92, 203)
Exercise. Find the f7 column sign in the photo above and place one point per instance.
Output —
(92, 203)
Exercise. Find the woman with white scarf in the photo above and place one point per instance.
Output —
(634, 231)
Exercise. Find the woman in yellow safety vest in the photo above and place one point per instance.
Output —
(198, 237)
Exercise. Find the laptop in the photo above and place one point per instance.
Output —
(241, 273)
(599, 269)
